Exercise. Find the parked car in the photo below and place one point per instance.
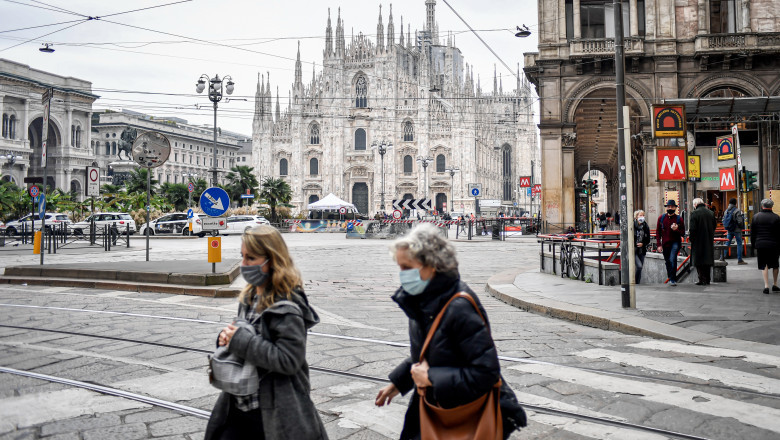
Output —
(176, 223)
(103, 220)
(237, 224)
(53, 220)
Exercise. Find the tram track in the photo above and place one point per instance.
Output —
(401, 345)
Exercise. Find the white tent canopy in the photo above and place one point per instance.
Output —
(330, 202)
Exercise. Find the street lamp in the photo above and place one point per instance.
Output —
(10, 158)
(215, 95)
(452, 171)
(424, 161)
(382, 148)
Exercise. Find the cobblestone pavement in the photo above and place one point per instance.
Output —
(724, 394)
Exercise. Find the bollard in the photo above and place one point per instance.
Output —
(127, 230)
(37, 242)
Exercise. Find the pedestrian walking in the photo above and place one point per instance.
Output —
(765, 239)
(702, 235)
(641, 241)
(275, 302)
(617, 219)
(460, 364)
(668, 235)
(734, 223)
(602, 221)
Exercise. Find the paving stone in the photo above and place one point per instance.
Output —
(181, 425)
(80, 424)
(63, 436)
(122, 432)
(152, 415)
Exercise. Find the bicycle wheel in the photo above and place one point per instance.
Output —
(576, 262)
(564, 261)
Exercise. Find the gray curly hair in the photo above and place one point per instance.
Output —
(426, 244)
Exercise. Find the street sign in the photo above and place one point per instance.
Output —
(93, 181)
(34, 191)
(727, 179)
(475, 189)
(529, 191)
(671, 165)
(190, 213)
(41, 206)
(397, 214)
(342, 210)
(33, 180)
(424, 204)
(214, 223)
(537, 189)
(725, 147)
(668, 121)
(151, 149)
(735, 133)
(247, 196)
(214, 201)
(45, 130)
(215, 249)
(489, 203)
(190, 187)
(694, 168)
(525, 181)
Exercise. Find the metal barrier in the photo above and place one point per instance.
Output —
(572, 251)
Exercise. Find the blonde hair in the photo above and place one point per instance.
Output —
(636, 213)
(265, 241)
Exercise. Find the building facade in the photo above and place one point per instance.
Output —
(68, 138)
(413, 91)
(719, 58)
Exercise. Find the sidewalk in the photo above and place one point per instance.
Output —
(735, 314)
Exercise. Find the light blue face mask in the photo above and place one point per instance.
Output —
(411, 281)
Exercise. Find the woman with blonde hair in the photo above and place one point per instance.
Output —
(273, 302)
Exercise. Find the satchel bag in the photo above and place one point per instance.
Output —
(230, 373)
(478, 420)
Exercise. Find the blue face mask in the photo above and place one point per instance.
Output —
(411, 281)
(254, 275)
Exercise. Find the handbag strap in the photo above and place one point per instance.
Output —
(437, 321)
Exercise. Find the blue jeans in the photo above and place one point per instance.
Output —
(738, 234)
(670, 259)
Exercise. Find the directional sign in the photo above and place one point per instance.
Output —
(728, 179)
(475, 189)
(525, 181)
(424, 204)
(41, 206)
(671, 165)
(529, 191)
(34, 191)
(190, 187)
(190, 213)
(214, 201)
(93, 181)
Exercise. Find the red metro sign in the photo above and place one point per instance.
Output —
(525, 181)
(671, 165)
(727, 178)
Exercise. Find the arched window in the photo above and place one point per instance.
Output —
(313, 198)
(408, 164)
(12, 127)
(314, 135)
(314, 166)
(441, 163)
(78, 137)
(408, 131)
(361, 92)
(283, 167)
(108, 148)
(506, 172)
(5, 125)
(360, 139)
(72, 135)
(113, 147)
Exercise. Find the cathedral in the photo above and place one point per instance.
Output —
(397, 115)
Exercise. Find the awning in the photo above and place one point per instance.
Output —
(330, 202)
(753, 108)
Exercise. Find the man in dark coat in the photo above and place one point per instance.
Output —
(765, 238)
(702, 235)
(668, 234)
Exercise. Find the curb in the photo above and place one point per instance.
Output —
(177, 289)
(501, 286)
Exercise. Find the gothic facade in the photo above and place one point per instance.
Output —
(411, 90)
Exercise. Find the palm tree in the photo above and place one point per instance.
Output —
(200, 186)
(136, 181)
(14, 201)
(275, 192)
(176, 194)
(240, 179)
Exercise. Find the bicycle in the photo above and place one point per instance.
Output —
(571, 260)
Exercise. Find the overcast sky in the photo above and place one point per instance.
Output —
(149, 60)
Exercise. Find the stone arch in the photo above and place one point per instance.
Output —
(634, 90)
(718, 80)
(360, 89)
(75, 187)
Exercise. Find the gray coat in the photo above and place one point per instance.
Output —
(279, 351)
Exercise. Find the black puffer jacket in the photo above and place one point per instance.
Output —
(462, 356)
(765, 230)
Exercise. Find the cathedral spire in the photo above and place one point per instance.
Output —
(380, 32)
(401, 38)
(390, 29)
(259, 103)
(267, 96)
(495, 80)
(328, 38)
(430, 20)
(408, 35)
(339, 35)
(278, 111)
(298, 71)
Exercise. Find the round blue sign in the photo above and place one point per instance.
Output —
(475, 192)
(214, 202)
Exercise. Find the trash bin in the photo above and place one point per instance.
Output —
(496, 230)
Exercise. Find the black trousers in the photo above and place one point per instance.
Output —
(704, 273)
(242, 425)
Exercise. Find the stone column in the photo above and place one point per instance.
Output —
(26, 123)
(745, 18)
(568, 196)
(576, 19)
(633, 18)
(703, 8)
(68, 131)
(653, 188)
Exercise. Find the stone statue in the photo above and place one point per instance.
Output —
(126, 143)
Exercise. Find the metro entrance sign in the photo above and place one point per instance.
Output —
(525, 181)
(727, 179)
(671, 165)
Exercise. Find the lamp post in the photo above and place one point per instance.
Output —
(424, 161)
(382, 147)
(215, 95)
(452, 171)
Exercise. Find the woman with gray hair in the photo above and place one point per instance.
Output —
(460, 364)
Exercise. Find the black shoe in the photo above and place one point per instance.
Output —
(701, 283)
(775, 289)
(766, 291)
(741, 262)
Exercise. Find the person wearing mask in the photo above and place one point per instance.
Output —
(734, 223)
(702, 235)
(274, 303)
(461, 363)
(669, 231)
(765, 239)
(641, 241)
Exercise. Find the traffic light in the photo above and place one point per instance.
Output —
(742, 179)
(750, 180)
(585, 186)
(594, 188)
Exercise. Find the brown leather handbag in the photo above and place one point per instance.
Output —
(477, 420)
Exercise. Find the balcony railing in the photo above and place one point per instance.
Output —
(604, 47)
(707, 44)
